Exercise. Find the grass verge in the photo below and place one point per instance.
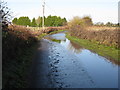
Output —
(106, 51)
(55, 40)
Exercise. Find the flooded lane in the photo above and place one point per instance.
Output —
(67, 71)
(66, 64)
(104, 72)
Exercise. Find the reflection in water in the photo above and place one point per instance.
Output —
(65, 42)
(71, 46)
(103, 71)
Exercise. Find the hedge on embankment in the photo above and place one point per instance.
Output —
(109, 37)
(14, 40)
(17, 46)
(106, 37)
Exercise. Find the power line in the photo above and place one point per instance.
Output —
(51, 8)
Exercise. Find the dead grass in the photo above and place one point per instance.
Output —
(99, 28)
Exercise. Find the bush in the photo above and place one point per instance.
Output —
(81, 22)
(16, 40)
(79, 27)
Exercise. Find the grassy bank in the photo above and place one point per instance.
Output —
(16, 72)
(18, 45)
(55, 40)
(106, 51)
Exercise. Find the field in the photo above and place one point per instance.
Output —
(99, 28)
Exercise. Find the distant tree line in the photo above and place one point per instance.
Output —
(110, 24)
(49, 21)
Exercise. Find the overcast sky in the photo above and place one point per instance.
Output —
(99, 10)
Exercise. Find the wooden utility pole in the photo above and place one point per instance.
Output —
(119, 13)
(43, 21)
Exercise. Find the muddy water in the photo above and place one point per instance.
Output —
(66, 64)
(102, 71)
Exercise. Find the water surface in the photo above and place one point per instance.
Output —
(102, 71)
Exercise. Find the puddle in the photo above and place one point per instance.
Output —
(102, 70)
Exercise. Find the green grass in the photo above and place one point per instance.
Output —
(41, 36)
(106, 51)
(55, 40)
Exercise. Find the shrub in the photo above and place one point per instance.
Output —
(16, 40)
(79, 27)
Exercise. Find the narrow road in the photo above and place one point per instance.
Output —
(57, 67)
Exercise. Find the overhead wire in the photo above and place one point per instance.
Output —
(51, 9)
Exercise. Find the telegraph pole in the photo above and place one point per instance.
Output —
(119, 13)
(43, 21)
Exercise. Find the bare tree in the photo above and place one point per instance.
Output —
(5, 14)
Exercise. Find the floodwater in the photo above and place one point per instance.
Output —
(68, 65)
